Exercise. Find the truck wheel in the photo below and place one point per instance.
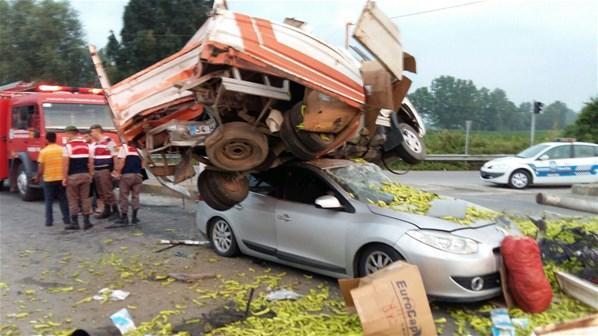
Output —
(412, 150)
(236, 146)
(292, 142)
(221, 191)
(2, 185)
(28, 194)
(312, 141)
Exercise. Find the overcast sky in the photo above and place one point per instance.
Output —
(535, 50)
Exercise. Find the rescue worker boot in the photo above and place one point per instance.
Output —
(134, 218)
(123, 221)
(86, 223)
(106, 213)
(74, 224)
(115, 213)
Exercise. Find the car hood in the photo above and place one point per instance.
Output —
(490, 232)
(505, 160)
(425, 222)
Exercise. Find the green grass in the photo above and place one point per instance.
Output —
(453, 141)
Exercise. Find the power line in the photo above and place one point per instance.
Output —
(439, 9)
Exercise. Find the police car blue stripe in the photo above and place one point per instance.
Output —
(563, 170)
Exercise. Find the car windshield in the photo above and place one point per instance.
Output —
(60, 115)
(364, 182)
(532, 151)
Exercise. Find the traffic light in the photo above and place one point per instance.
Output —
(538, 107)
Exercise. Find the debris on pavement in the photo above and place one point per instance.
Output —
(587, 326)
(123, 321)
(184, 242)
(106, 294)
(191, 277)
(391, 301)
(282, 294)
(501, 323)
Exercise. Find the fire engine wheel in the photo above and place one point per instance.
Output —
(292, 142)
(220, 190)
(312, 141)
(236, 146)
(28, 194)
(412, 150)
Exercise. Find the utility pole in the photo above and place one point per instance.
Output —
(467, 129)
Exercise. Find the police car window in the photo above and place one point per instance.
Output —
(560, 152)
(582, 151)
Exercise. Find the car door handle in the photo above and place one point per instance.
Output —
(284, 217)
(238, 207)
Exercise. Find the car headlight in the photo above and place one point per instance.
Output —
(445, 241)
(497, 166)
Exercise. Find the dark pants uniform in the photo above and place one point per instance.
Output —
(129, 184)
(77, 190)
(55, 191)
(103, 184)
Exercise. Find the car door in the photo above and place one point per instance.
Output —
(255, 214)
(555, 166)
(586, 163)
(308, 235)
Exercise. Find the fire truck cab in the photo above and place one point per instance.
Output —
(27, 112)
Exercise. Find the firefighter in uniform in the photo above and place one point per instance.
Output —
(103, 152)
(79, 170)
(128, 168)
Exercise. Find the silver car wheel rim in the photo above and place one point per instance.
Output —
(412, 141)
(22, 183)
(519, 180)
(222, 236)
(376, 261)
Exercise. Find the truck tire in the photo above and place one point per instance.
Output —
(236, 146)
(27, 193)
(312, 141)
(292, 142)
(412, 149)
(221, 191)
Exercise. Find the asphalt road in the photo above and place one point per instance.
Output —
(468, 186)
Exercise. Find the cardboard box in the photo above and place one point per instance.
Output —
(390, 302)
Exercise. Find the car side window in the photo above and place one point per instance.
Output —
(304, 186)
(583, 151)
(269, 183)
(560, 152)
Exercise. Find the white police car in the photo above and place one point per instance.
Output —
(551, 163)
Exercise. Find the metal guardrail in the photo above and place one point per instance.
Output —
(464, 157)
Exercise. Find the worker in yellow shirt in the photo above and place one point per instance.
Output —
(51, 173)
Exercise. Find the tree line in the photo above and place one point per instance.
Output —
(448, 102)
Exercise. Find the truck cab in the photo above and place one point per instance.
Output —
(27, 112)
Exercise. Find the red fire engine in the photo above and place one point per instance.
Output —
(27, 112)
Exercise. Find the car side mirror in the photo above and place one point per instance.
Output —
(328, 202)
(544, 157)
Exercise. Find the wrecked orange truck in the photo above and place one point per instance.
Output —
(247, 94)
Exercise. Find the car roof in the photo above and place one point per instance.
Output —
(554, 143)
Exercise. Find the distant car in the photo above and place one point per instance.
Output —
(319, 216)
(552, 163)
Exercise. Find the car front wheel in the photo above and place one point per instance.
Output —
(222, 238)
(520, 179)
(375, 257)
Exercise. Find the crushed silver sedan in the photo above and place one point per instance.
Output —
(340, 218)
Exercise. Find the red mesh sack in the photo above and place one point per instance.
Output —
(526, 280)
